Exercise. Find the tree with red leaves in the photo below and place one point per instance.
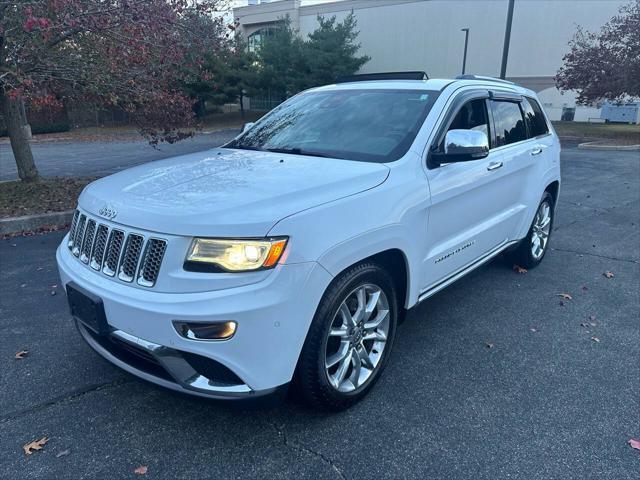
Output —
(605, 65)
(133, 54)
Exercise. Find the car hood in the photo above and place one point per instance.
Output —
(225, 192)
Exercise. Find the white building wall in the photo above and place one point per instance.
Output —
(555, 101)
(426, 35)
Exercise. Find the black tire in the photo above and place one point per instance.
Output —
(311, 379)
(522, 254)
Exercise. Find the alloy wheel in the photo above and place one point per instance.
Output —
(541, 230)
(357, 338)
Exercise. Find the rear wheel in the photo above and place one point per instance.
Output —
(350, 338)
(531, 250)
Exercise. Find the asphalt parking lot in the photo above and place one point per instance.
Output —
(551, 399)
(100, 158)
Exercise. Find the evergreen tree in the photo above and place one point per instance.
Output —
(331, 51)
(288, 64)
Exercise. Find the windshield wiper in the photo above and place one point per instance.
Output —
(297, 151)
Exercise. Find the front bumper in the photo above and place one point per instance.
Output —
(273, 318)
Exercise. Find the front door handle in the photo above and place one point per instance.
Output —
(536, 151)
(494, 166)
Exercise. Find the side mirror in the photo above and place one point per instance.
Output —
(247, 126)
(463, 146)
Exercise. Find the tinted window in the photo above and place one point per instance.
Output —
(536, 124)
(509, 123)
(472, 116)
(373, 125)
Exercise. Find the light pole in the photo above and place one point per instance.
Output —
(507, 40)
(466, 43)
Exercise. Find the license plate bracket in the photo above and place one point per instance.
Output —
(87, 308)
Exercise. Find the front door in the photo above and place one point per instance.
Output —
(473, 207)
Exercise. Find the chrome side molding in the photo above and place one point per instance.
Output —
(435, 288)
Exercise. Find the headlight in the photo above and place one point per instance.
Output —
(210, 254)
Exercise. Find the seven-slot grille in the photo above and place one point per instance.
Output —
(114, 253)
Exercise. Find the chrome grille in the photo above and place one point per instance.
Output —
(114, 247)
(110, 250)
(72, 232)
(77, 241)
(99, 246)
(87, 242)
(130, 257)
(151, 261)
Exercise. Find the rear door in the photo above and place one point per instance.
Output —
(522, 137)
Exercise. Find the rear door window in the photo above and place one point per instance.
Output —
(509, 122)
(534, 118)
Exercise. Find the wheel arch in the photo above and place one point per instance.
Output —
(554, 189)
(395, 263)
(394, 260)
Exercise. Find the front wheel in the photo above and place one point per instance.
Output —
(531, 250)
(350, 338)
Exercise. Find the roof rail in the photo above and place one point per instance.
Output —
(482, 77)
(363, 77)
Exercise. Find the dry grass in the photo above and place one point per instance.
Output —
(619, 133)
(228, 120)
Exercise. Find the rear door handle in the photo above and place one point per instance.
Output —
(536, 151)
(494, 166)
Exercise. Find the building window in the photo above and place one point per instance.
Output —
(256, 39)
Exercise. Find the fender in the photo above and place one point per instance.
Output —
(355, 249)
(550, 176)
(329, 235)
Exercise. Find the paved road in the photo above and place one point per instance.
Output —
(546, 404)
(61, 158)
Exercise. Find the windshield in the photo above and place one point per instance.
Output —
(366, 125)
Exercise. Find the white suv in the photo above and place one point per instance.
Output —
(291, 253)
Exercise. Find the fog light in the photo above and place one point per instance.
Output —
(206, 331)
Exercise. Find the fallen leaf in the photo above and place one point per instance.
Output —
(608, 274)
(634, 443)
(21, 354)
(63, 453)
(141, 470)
(519, 269)
(489, 345)
(595, 339)
(31, 447)
(565, 296)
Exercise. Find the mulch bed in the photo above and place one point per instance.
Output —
(38, 231)
(44, 196)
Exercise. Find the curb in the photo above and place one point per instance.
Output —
(596, 146)
(29, 223)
